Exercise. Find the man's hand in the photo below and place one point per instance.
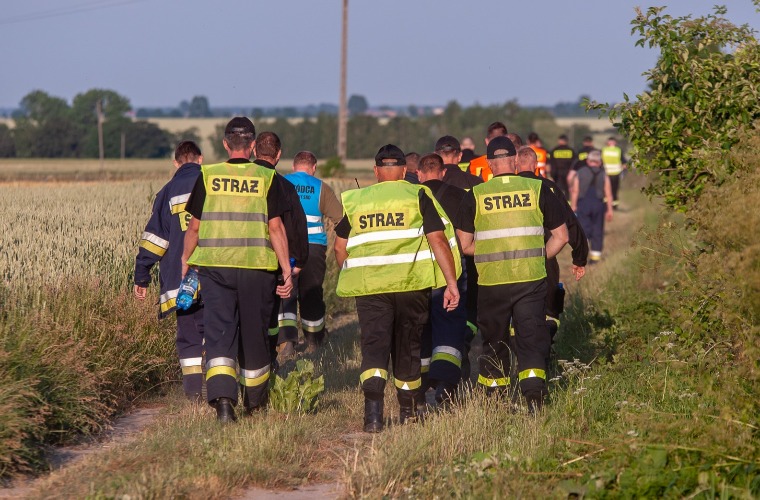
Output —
(185, 269)
(296, 271)
(140, 292)
(285, 289)
(608, 215)
(579, 272)
(451, 297)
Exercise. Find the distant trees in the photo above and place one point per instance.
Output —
(199, 107)
(357, 105)
(47, 127)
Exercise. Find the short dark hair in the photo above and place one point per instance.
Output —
(588, 138)
(526, 156)
(516, 140)
(187, 152)
(496, 129)
(304, 157)
(562, 137)
(532, 137)
(268, 145)
(430, 162)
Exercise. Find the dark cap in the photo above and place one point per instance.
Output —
(390, 156)
(447, 143)
(500, 147)
(240, 125)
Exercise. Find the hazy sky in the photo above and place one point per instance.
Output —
(283, 52)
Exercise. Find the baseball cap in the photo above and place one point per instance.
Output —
(594, 155)
(390, 156)
(500, 147)
(240, 125)
(447, 143)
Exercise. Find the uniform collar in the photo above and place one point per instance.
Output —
(187, 167)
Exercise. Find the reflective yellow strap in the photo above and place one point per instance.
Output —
(443, 356)
(221, 370)
(424, 365)
(288, 322)
(253, 382)
(192, 370)
(408, 385)
(552, 318)
(373, 372)
(493, 382)
(274, 331)
(473, 327)
(531, 373)
(511, 331)
(152, 248)
(169, 304)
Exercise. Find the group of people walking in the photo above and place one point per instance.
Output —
(432, 254)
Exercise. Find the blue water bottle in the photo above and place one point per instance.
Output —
(187, 290)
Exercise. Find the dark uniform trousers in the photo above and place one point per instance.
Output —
(590, 213)
(554, 296)
(190, 348)
(238, 304)
(615, 184)
(471, 305)
(308, 295)
(524, 305)
(391, 326)
(445, 329)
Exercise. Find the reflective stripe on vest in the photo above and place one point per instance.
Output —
(612, 158)
(387, 248)
(234, 230)
(509, 234)
(309, 190)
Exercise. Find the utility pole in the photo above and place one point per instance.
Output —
(342, 107)
(123, 145)
(99, 111)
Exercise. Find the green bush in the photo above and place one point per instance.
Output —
(333, 167)
(299, 392)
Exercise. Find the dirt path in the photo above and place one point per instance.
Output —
(123, 430)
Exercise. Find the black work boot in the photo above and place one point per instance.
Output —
(313, 341)
(407, 412)
(444, 394)
(373, 415)
(225, 412)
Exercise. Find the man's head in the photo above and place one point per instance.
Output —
(500, 155)
(187, 152)
(268, 147)
(431, 168)
(390, 163)
(562, 140)
(412, 161)
(448, 148)
(467, 143)
(516, 139)
(496, 129)
(526, 160)
(594, 158)
(305, 161)
(534, 139)
(611, 141)
(239, 135)
(588, 141)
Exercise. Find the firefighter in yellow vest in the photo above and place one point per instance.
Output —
(511, 216)
(393, 245)
(614, 164)
(236, 239)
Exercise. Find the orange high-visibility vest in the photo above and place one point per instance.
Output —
(541, 156)
(479, 168)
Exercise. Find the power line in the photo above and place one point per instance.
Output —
(66, 11)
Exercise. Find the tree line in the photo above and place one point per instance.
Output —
(49, 127)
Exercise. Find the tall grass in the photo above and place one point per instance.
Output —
(75, 348)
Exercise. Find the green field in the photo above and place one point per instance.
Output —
(634, 411)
